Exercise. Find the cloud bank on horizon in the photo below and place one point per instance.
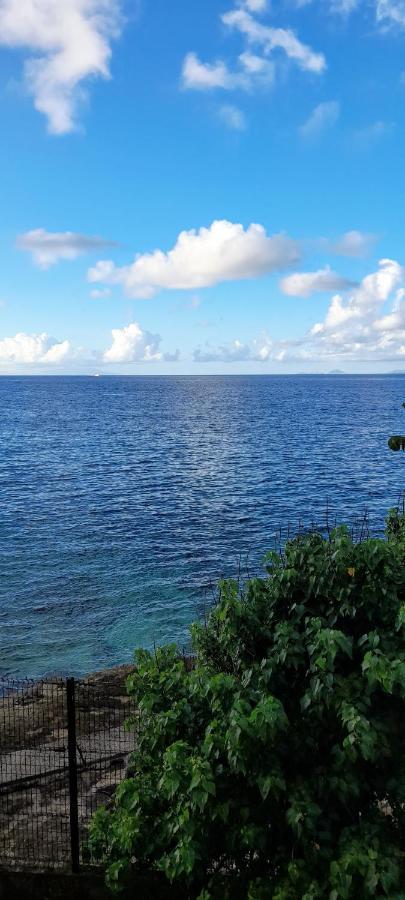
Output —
(368, 324)
(130, 344)
(357, 328)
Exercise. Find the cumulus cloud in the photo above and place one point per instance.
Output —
(365, 300)
(33, 348)
(362, 327)
(368, 325)
(132, 344)
(324, 116)
(354, 243)
(201, 258)
(129, 344)
(47, 247)
(394, 321)
(233, 117)
(303, 284)
(258, 350)
(67, 43)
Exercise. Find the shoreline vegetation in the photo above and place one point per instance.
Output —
(275, 766)
(270, 763)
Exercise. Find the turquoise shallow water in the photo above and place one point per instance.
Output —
(123, 500)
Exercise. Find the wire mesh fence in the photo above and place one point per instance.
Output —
(63, 750)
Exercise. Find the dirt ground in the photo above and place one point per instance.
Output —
(34, 780)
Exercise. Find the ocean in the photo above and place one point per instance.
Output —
(123, 500)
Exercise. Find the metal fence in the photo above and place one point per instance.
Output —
(63, 749)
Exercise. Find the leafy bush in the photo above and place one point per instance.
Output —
(397, 441)
(275, 768)
(396, 528)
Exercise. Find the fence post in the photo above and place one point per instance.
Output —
(73, 792)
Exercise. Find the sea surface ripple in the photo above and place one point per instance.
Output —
(124, 499)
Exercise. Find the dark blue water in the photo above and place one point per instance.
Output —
(123, 499)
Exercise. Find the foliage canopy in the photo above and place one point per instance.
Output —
(275, 768)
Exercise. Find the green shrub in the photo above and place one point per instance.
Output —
(396, 528)
(397, 441)
(276, 767)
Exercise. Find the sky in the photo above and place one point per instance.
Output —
(192, 188)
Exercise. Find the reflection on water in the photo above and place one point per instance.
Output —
(122, 500)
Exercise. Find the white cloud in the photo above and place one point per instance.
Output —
(207, 76)
(33, 348)
(47, 247)
(233, 117)
(129, 344)
(365, 300)
(324, 116)
(369, 325)
(252, 71)
(202, 258)
(132, 344)
(391, 12)
(303, 284)
(257, 66)
(259, 350)
(356, 328)
(354, 243)
(275, 38)
(68, 42)
(394, 321)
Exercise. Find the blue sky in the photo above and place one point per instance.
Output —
(202, 187)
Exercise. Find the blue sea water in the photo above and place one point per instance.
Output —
(123, 500)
